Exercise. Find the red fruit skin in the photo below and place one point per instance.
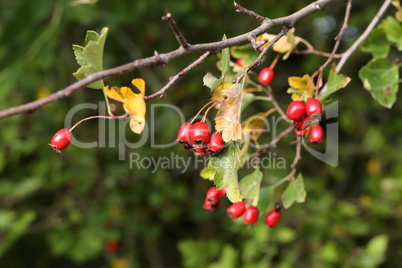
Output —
(61, 140)
(210, 206)
(240, 61)
(236, 210)
(301, 133)
(313, 107)
(199, 150)
(183, 136)
(112, 245)
(213, 195)
(200, 133)
(303, 123)
(215, 144)
(266, 75)
(250, 215)
(223, 191)
(316, 134)
(296, 110)
(272, 218)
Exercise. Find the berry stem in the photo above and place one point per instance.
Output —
(112, 117)
(272, 66)
(214, 101)
(206, 112)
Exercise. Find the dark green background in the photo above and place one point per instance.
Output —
(59, 210)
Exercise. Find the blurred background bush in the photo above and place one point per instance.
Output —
(60, 210)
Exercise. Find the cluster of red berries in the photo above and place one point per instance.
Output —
(302, 116)
(61, 140)
(238, 209)
(198, 139)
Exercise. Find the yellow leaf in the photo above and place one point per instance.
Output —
(120, 263)
(43, 92)
(228, 116)
(133, 104)
(300, 83)
(281, 46)
(217, 93)
(254, 126)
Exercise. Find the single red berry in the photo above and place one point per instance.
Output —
(112, 245)
(223, 191)
(266, 75)
(250, 215)
(296, 110)
(313, 107)
(213, 195)
(215, 144)
(301, 133)
(61, 140)
(199, 150)
(316, 134)
(273, 217)
(236, 210)
(200, 133)
(183, 136)
(210, 206)
(240, 61)
(303, 123)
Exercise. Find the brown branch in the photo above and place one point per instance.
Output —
(274, 141)
(180, 38)
(239, 9)
(173, 79)
(165, 58)
(276, 105)
(297, 158)
(257, 62)
(316, 52)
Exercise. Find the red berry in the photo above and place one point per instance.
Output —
(250, 215)
(240, 61)
(223, 191)
(236, 210)
(187, 147)
(303, 123)
(266, 75)
(210, 206)
(183, 136)
(213, 195)
(61, 140)
(273, 217)
(215, 144)
(313, 107)
(316, 134)
(301, 132)
(296, 110)
(199, 150)
(200, 133)
(112, 245)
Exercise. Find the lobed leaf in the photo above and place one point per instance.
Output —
(393, 31)
(294, 192)
(335, 83)
(250, 185)
(376, 44)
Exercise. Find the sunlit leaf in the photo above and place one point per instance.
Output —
(208, 173)
(228, 116)
(225, 164)
(335, 83)
(283, 45)
(393, 31)
(380, 77)
(211, 81)
(250, 185)
(294, 192)
(133, 103)
(90, 57)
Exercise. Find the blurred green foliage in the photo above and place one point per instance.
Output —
(59, 210)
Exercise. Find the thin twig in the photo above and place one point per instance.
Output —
(262, 54)
(263, 149)
(362, 37)
(239, 9)
(276, 105)
(165, 58)
(180, 38)
(296, 160)
(316, 52)
(173, 79)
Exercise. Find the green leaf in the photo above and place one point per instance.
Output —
(211, 81)
(250, 185)
(335, 83)
(208, 173)
(225, 59)
(380, 77)
(246, 99)
(246, 52)
(393, 31)
(376, 43)
(90, 57)
(225, 163)
(294, 192)
(265, 197)
(374, 254)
